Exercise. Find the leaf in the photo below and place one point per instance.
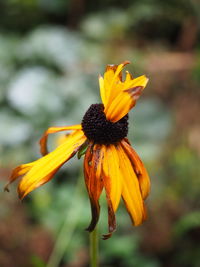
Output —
(82, 149)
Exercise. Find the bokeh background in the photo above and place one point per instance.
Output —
(51, 52)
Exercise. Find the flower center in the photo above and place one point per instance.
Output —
(101, 131)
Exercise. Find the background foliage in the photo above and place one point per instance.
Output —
(51, 53)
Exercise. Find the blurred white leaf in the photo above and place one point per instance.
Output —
(14, 130)
(34, 90)
(54, 45)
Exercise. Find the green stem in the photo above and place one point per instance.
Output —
(94, 248)
(68, 227)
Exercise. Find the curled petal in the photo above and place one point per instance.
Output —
(93, 180)
(131, 193)
(44, 168)
(139, 168)
(129, 77)
(43, 140)
(112, 76)
(125, 99)
(111, 219)
(17, 172)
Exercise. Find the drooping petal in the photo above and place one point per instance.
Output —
(111, 219)
(44, 168)
(17, 172)
(112, 175)
(126, 98)
(43, 140)
(93, 180)
(113, 184)
(139, 168)
(131, 193)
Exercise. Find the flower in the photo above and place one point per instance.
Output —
(110, 162)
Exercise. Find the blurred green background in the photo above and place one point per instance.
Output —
(51, 52)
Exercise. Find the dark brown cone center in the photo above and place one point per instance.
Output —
(101, 131)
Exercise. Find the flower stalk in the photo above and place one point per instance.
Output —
(94, 248)
(68, 228)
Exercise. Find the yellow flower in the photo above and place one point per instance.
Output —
(110, 162)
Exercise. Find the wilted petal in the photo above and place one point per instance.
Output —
(93, 180)
(112, 175)
(18, 171)
(125, 99)
(43, 140)
(44, 168)
(112, 77)
(111, 219)
(131, 193)
(112, 178)
(139, 168)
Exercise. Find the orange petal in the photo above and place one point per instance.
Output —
(131, 190)
(44, 168)
(112, 77)
(129, 77)
(111, 219)
(112, 175)
(17, 172)
(126, 98)
(93, 180)
(139, 168)
(102, 89)
(43, 140)
(113, 184)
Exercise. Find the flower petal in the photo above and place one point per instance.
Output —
(92, 172)
(113, 184)
(112, 77)
(131, 193)
(126, 98)
(111, 219)
(17, 172)
(43, 140)
(45, 167)
(102, 89)
(112, 175)
(139, 168)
